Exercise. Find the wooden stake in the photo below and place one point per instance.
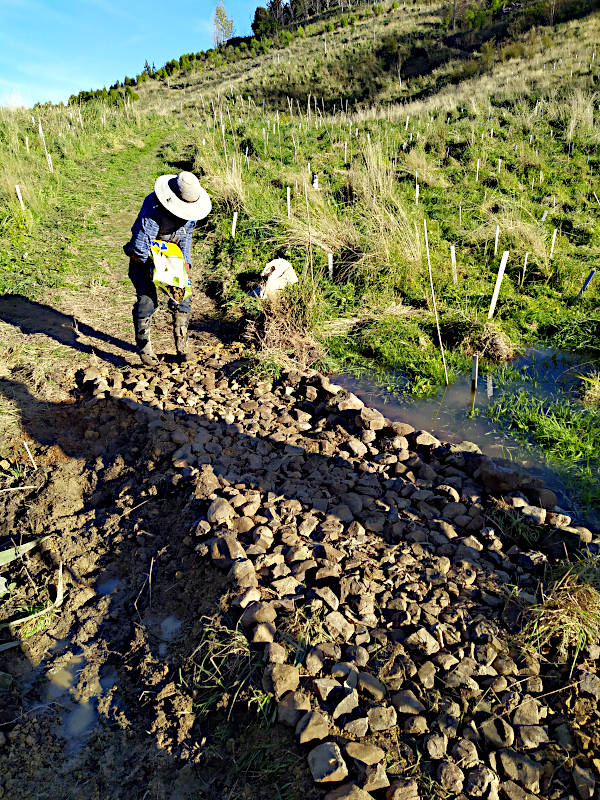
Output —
(587, 282)
(453, 260)
(308, 225)
(19, 197)
(330, 265)
(498, 284)
(289, 201)
(496, 240)
(477, 173)
(234, 224)
(553, 242)
(475, 373)
(437, 322)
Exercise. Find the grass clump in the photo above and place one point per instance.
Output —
(568, 617)
(513, 526)
(225, 672)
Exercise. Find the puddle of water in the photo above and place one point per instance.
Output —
(108, 586)
(78, 724)
(169, 629)
(64, 678)
(544, 373)
(79, 717)
(108, 677)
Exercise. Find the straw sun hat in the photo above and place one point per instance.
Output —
(183, 196)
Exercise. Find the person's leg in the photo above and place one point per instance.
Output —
(144, 307)
(181, 320)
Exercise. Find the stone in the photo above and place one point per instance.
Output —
(225, 550)
(357, 447)
(436, 745)
(373, 777)
(422, 439)
(346, 672)
(346, 705)
(326, 594)
(348, 791)
(313, 663)
(243, 574)
(338, 626)
(426, 674)
(275, 653)
(405, 702)
(326, 763)
(450, 777)
(403, 789)
(381, 718)
(264, 633)
(313, 725)
(498, 732)
(280, 678)
(532, 736)
(220, 511)
(365, 753)
(372, 686)
(291, 707)
(349, 402)
(478, 781)
(527, 713)
(545, 498)
(500, 476)
(258, 612)
(323, 687)
(513, 791)
(534, 514)
(357, 727)
(589, 684)
(415, 725)
(465, 753)
(521, 769)
(246, 597)
(370, 419)
(423, 641)
(584, 781)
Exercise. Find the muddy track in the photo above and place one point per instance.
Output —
(234, 552)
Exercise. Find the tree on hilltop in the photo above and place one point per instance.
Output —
(222, 25)
(264, 25)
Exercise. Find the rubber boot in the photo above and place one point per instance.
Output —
(142, 340)
(180, 331)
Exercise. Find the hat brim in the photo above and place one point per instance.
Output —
(179, 208)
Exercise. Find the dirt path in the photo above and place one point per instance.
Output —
(85, 311)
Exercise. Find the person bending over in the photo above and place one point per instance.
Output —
(168, 214)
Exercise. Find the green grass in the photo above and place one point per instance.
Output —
(567, 433)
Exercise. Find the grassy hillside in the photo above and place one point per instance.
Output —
(500, 139)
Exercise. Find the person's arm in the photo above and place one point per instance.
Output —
(143, 233)
(186, 241)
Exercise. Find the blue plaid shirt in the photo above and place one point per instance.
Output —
(155, 222)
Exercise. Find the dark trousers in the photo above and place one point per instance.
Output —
(147, 298)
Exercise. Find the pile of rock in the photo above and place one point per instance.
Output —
(362, 560)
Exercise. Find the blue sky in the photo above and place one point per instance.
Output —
(50, 49)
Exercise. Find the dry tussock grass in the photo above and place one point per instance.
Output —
(417, 162)
(282, 336)
(568, 617)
